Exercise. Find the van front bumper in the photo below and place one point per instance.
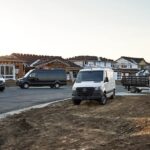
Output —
(95, 95)
(2, 85)
(19, 82)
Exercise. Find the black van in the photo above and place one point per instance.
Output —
(43, 77)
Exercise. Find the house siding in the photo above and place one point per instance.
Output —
(128, 64)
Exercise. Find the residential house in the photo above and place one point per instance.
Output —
(92, 61)
(11, 67)
(16, 65)
(126, 66)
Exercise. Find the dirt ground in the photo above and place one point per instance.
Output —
(122, 124)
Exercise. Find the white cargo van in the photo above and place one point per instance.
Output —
(94, 84)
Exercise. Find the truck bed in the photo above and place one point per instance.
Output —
(137, 81)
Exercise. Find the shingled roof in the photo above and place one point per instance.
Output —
(84, 58)
(88, 58)
(134, 59)
(105, 59)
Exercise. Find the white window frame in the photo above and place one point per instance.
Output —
(6, 75)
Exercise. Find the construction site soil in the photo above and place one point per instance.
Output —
(121, 124)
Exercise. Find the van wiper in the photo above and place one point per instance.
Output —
(78, 81)
(97, 81)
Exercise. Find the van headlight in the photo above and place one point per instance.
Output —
(20, 80)
(97, 88)
(73, 88)
(2, 81)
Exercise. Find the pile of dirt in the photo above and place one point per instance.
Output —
(123, 123)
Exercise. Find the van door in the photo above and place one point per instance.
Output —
(107, 83)
(110, 85)
(33, 79)
(43, 77)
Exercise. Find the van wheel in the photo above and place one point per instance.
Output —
(103, 100)
(52, 86)
(139, 90)
(113, 95)
(57, 85)
(2, 89)
(25, 85)
(21, 86)
(76, 102)
(133, 90)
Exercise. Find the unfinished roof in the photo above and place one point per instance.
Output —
(10, 58)
(35, 60)
(52, 59)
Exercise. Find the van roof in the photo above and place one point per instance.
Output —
(95, 69)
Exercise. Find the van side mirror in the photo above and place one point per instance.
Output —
(106, 79)
(74, 81)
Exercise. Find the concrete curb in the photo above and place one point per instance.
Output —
(4, 115)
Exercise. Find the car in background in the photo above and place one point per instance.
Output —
(2, 83)
(53, 78)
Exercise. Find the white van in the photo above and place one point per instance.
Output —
(94, 84)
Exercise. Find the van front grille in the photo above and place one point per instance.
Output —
(85, 91)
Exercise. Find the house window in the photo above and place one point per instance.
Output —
(130, 66)
(85, 62)
(123, 66)
(8, 71)
(119, 76)
(112, 65)
(2, 70)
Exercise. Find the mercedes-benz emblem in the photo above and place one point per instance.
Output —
(84, 89)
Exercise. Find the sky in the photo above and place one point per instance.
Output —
(67, 28)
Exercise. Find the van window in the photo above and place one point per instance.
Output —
(27, 74)
(43, 75)
(33, 75)
(95, 76)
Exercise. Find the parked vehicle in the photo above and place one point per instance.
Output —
(94, 84)
(136, 83)
(43, 77)
(2, 83)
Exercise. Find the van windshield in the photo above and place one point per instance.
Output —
(1, 76)
(26, 75)
(95, 76)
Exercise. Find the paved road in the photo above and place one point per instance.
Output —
(14, 98)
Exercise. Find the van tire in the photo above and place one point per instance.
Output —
(139, 90)
(2, 89)
(133, 90)
(103, 100)
(57, 85)
(76, 102)
(51, 86)
(21, 86)
(113, 95)
(25, 85)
